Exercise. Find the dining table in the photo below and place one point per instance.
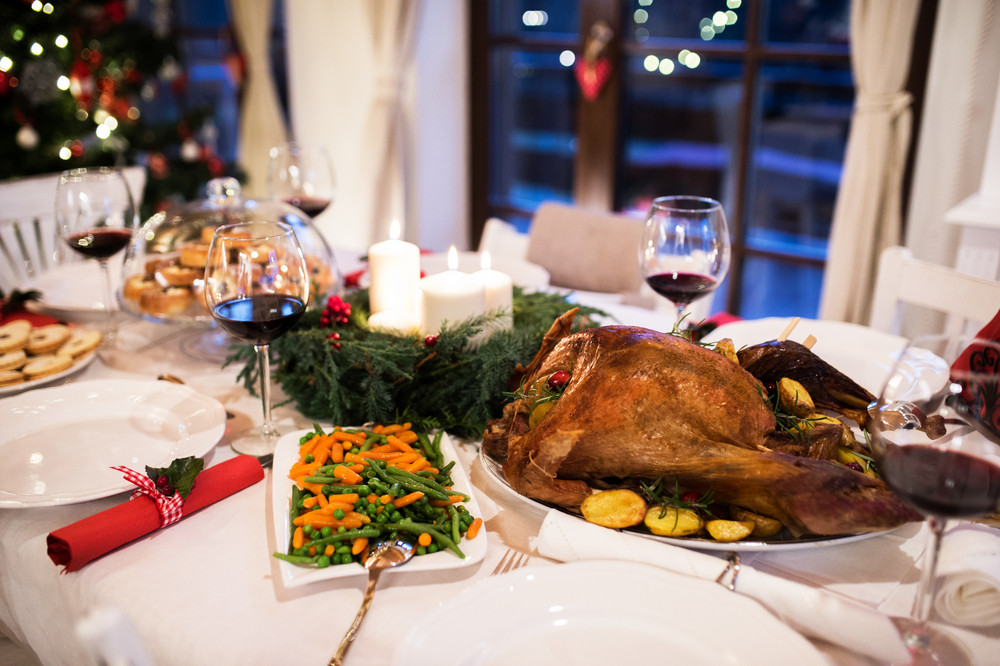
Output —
(208, 590)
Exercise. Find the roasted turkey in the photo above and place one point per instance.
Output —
(642, 405)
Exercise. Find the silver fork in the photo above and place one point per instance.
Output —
(511, 560)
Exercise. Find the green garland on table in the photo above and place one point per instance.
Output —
(368, 376)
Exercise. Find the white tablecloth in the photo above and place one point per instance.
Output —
(206, 590)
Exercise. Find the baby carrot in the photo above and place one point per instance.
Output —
(359, 545)
(474, 528)
(406, 499)
(347, 475)
(298, 538)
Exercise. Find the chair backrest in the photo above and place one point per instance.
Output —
(502, 239)
(966, 300)
(28, 240)
(586, 249)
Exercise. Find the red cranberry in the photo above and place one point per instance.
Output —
(431, 340)
(690, 497)
(558, 379)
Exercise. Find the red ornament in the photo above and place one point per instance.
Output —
(334, 340)
(352, 280)
(431, 340)
(592, 76)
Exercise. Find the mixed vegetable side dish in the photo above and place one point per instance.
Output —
(359, 486)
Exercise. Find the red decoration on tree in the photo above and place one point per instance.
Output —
(431, 340)
(334, 338)
(337, 311)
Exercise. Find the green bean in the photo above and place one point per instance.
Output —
(296, 559)
(456, 534)
(321, 479)
(294, 512)
(367, 531)
(406, 525)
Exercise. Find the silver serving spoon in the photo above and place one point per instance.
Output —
(383, 556)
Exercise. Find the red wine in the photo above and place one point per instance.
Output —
(259, 319)
(100, 243)
(681, 288)
(946, 484)
(311, 206)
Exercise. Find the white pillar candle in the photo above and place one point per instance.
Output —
(394, 266)
(394, 322)
(499, 288)
(451, 296)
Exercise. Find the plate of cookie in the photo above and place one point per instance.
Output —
(32, 356)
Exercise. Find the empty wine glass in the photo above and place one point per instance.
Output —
(257, 287)
(303, 176)
(95, 216)
(684, 249)
(936, 436)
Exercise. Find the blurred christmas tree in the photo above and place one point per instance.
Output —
(77, 78)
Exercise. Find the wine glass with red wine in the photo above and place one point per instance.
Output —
(684, 250)
(936, 437)
(95, 216)
(257, 288)
(302, 175)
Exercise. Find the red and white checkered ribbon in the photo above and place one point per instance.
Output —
(169, 507)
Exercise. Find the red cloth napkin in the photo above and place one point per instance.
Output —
(984, 396)
(85, 540)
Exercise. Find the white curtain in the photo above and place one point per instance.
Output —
(383, 162)
(867, 213)
(262, 124)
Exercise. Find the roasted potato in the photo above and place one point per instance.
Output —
(729, 530)
(794, 398)
(847, 456)
(614, 508)
(763, 527)
(673, 522)
(726, 347)
(539, 412)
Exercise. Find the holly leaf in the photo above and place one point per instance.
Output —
(180, 474)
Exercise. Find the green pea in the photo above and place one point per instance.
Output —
(326, 531)
(381, 519)
(364, 489)
(323, 562)
(309, 458)
(421, 550)
(341, 529)
(339, 514)
(433, 548)
(307, 529)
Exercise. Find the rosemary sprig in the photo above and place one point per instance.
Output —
(799, 427)
(656, 494)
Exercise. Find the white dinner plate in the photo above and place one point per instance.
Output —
(74, 291)
(78, 365)
(286, 453)
(601, 613)
(58, 444)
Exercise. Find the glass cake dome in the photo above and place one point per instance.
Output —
(164, 269)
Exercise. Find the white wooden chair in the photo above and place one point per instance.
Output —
(28, 242)
(967, 301)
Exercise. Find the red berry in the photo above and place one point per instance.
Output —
(167, 490)
(558, 379)
(690, 497)
(431, 340)
(856, 466)
(162, 480)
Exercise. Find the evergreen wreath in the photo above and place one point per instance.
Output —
(333, 367)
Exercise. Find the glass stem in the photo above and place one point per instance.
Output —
(264, 363)
(680, 314)
(917, 638)
(109, 303)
